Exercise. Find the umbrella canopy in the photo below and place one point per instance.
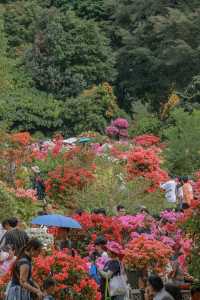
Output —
(84, 140)
(56, 221)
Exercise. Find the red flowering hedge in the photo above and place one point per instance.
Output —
(95, 225)
(142, 252)
(64, 179)
(70, 273)
(146, 163)
(146, 140)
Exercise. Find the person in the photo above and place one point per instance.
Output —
(195, 293)
(170, 190)
(179, 193)
(187, 192)
(144, 210)
(38, 183)
(177, 274)
(79, 212)
(157, 290)
(100, 244)
(49, 289)
(99, 211)
(98, 258)
(22, 285)
(9, 258)
(48, 208)
(121, 211)
(114, 266)
(14, 236)
(174, 291)
(63, 241)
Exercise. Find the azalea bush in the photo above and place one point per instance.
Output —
(14, 152)
(64, 179)
(143, 253)
(95, 225)
(20, 205)
(146, 140)
(70, 273)
(146, 163)
(118, 129)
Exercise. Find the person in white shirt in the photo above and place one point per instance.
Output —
(170, 190)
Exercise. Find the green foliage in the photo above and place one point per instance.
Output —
(29, 110)
(183, 150)
(108, 190)
(68, 55)
(19, 18)
(90, 9)
(24, 209)
(92, 110)
(157, 42)
(191, 95)
(21, 107)
(144, 121)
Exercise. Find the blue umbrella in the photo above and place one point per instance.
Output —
(56, 221)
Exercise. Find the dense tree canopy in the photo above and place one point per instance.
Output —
(158, 47)
(69, 54)
(183, 142)
(91, 111)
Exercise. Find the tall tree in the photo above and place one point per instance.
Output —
(92, 110)
(69, 54)
(19, 18)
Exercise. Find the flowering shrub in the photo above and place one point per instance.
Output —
(142, 252)
(96, 225)
(70, 273)
(118, 128)
(21, 193)
(146, 163)
(63, 180)
(112, 131)
(23, 138)
(120, 123)
(171, 216)
(130, 223)
(146, 140)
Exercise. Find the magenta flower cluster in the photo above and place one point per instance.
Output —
(118, 128)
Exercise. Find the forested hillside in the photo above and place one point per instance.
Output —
(74, 65)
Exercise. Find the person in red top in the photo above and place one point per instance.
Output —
(187, 192)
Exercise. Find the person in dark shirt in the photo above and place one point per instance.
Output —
(14, 236)
(63, 241)
(22, 285)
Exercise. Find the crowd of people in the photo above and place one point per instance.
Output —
(178, 190)
(18, 250)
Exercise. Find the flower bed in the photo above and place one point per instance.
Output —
(70, 273)
(143, 253)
